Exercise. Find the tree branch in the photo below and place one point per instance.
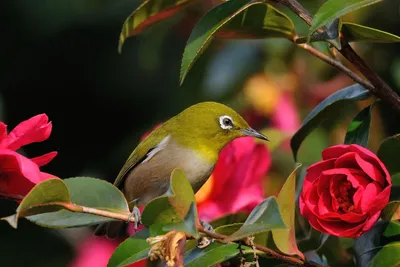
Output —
(338, 65)
(378, 88)
(127, 218)
(269, 252)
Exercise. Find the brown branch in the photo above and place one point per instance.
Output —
(127, 218)
(379, 87)
(269, 252)
(338, 65)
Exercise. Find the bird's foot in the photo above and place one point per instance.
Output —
(136, 216)
(205, 241)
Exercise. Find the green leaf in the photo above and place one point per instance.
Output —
(45, 204)
(359, 33)
(148, 13)
(285, 239)
(210, 256)
(131, 250)
(188, 225)
(172, 207)
(235, 19)
(388, 153)
(358, 131)
(228, 229)
(388, 256)
(263, 218)
(82, 191)
(39, 199)
(333, 9)
(391, 212)
(327, 110)
(392, 229)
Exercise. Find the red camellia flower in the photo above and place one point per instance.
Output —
(344, 193)
(18, 174)
(237, 177)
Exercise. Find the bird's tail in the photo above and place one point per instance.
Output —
(111, 229)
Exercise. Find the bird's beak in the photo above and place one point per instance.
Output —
(254, 133)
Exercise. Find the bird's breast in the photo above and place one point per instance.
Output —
(151, 178)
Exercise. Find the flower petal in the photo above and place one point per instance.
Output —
(315, 170)
(3, 131)
(18, 174)
(44, 159)
(35, 129)
(368, 201)
(370, 169)
(341, 228)
(347, 160)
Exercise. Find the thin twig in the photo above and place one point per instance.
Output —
(127, 218)
(379, 87)
(269, 252)
(338, 65)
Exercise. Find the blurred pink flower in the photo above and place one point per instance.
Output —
(96, 251)
(18, 173)
(285, 116)
(236, 182)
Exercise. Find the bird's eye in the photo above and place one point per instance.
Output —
(226, 122)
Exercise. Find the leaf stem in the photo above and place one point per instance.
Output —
(378, 88)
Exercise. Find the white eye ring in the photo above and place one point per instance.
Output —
(226, 122)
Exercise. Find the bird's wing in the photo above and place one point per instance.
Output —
(146, 149)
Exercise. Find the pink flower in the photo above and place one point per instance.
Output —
(236, 182)
(96, 251)
(18, 174)
(344, 194)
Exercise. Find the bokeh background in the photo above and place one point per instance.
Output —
(60, 58)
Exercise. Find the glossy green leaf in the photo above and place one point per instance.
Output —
(210, 256)
(39, 199)
(89, 192)
(359, 33)
(327, 110)
(235, 19)
(263, 218)
(131, 250)
(388, 153)
(228, 229)
(188, 225)
(172, 207)
(148, 13)
(391, 212)
(333, 9)
(392, 229)
(45, 204)
(358, 131)
(388, 256)
(285, 239)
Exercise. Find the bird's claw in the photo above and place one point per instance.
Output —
(136, 216)
(205, 241)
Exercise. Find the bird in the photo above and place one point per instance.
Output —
(190, 141)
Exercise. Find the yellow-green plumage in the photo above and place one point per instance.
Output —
(190, 140)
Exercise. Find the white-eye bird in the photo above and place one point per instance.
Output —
(191, 141)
